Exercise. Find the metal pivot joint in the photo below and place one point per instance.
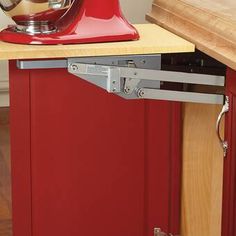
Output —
(224, 110)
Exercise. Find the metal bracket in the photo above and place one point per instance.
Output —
(136, 77)
(144, 83)
(133, 77)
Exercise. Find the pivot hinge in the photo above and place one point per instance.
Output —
(132, 81)
(159, 232)
(138, 77)
(135, 77)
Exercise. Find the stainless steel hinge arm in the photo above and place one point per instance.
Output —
(136, 83)
(137, 77)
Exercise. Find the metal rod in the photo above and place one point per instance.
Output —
(180, 96)
(169, 76)
(41, 64)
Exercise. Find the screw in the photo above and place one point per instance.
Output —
(74, 67)
(135, 73)
(113, 81)
(127, 90)
(141, 93)
(114, 89)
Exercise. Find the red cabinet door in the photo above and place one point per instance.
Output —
(229, 190)
(85, 162)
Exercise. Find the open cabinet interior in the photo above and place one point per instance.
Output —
(202, 168)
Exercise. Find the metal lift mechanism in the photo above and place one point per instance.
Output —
(138, 77)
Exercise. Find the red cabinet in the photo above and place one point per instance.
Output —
(85, 162)
(229, 191)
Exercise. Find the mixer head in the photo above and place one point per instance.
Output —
(65, 22)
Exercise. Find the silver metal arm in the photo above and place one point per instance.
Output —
(137, 77)
(136, 83)
(133, 77)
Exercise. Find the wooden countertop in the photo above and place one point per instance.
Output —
(154, 39)
(209, 24)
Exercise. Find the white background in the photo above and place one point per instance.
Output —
(134, 10)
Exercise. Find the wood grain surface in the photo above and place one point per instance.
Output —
(209, 24)
(202, 172)
(5, 182)
(153, 39)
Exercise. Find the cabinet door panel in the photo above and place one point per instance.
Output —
(87, 175)
(100, 165)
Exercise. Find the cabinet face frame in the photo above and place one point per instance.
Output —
(229, 188)
(20, 150)
(21, 156)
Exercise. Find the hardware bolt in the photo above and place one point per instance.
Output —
(74, 67)
(141, 93)
(114, 89)
(113, 81)
(127, 90)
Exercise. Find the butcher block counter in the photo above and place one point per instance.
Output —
(211, 26)
(153, 39)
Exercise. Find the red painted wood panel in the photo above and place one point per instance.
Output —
(20, 151)
(99, 165)
(229, 189)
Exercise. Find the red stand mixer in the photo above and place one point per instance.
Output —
(66, 22)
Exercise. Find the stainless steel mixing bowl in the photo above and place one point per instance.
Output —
(35, 16)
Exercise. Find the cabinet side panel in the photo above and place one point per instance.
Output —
(20, 150)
